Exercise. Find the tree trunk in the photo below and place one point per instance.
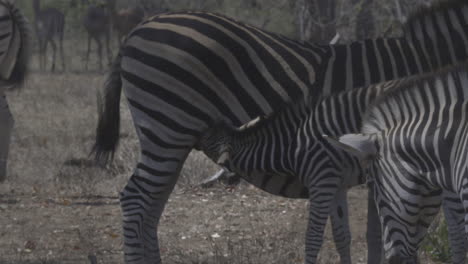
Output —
(316, 20)
(327, 19)
(365, 25)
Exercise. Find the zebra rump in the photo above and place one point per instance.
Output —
(16, 76)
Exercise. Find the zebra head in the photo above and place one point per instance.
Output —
(216, 143)
(403, 230)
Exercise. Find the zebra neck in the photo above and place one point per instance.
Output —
(265, 146)
(439, 36)
(366, 62)
(342, 113)
(431, 40)
(334, 116)
(424, 94)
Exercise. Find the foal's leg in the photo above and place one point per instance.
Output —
(322, 193)
(375, 250)
(454, 216)
(340, 225)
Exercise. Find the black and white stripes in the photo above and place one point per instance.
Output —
(14, 58)
(14, 45)
(277, 152)
(184, 72)
(415, 140)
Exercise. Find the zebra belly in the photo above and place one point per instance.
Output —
(278, 184)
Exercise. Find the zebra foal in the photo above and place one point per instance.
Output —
(414, 145)
(287, 147)
(184, 72)
(14, 56)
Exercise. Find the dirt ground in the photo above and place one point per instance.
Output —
(58, 207)
(199, 226)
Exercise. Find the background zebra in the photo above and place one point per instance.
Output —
(14, 55)
(183, 72)
(49, 24)
(414, 144)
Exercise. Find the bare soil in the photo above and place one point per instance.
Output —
(217, 225)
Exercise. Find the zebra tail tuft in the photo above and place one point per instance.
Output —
(20, 70)
(107, 131)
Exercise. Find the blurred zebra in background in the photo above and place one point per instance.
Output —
(415, 146)
(14, 59)
(49, 24)
(184, 72)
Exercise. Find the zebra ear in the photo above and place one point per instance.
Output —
(360, 145)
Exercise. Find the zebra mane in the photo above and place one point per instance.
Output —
(395, 96)
(438, 6)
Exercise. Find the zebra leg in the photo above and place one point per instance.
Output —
(464, 199)
(319, 208)
(44, 55)
(87, 52)
(146, 193)
(374, 230)
(54, 54)
(6, 125)
(62, 54)
(143, 200)
(108, 50)
(41, 53)
(98, 40)
(340, 226)
(453, 211)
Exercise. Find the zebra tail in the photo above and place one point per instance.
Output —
(20, 70)
(107, 131)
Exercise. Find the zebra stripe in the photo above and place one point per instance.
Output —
(177, 69)
(281, 153)
(249, 152)
(14, 46)
(420, 134)
(14, 55)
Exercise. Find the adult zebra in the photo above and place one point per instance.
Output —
(14, 55)
(183, 72)
(288, 147)
(414, 145)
